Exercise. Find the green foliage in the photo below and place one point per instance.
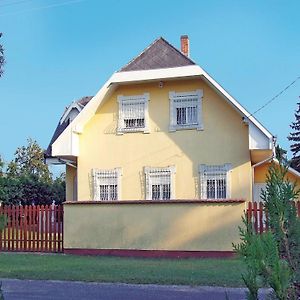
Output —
(263, 263)
(1, 166)
(274, 257)
(295, 138)
(29, 161)
(282, 217)
(28, 179)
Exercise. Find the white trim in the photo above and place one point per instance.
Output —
(152, 171)
(62, 145)
(173, 97)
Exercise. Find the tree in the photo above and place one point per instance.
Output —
(28, 179)
(29, 160)
(1, 166)
(1, 57)
(295, 138)
(274, 257)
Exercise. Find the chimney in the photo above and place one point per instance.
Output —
(185, 45)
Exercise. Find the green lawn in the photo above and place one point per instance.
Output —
(221, 272)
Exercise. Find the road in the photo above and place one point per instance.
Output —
(14, 289)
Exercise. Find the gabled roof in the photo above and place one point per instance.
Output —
(63, 122)
(159, 55)
(146, 69)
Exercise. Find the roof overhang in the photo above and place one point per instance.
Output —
(68, 142)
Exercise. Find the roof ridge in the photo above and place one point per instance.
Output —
(140, 53)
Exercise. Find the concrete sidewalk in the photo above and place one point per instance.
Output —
(14, 289)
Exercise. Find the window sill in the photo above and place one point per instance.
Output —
(187, 127)
(134, 130)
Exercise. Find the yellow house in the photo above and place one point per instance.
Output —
(162, 150)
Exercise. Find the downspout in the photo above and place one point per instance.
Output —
(256, 165)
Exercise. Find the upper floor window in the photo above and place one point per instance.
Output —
(160, 183)
(186, 110)
(214, 181)
(133, 113)
(107, 184)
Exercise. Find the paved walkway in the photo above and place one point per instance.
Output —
(14, 289)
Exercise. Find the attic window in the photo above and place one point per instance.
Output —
(186, 110)
(133, 113)
(107, 184)
(160, 183)
(214, 181)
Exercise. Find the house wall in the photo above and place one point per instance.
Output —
(152, 226)
(70, 174)
(223, 140)
(260, 174)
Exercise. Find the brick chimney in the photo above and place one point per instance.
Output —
(185, 45)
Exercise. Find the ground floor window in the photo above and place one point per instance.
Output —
(107, 184)
(214, 181)
(160, 183)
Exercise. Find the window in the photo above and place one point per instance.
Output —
(159, 183)
(107, 184)
(133, 113)
(185, 110)
(214, 181)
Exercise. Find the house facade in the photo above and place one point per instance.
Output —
(162, 158)
(162, 129)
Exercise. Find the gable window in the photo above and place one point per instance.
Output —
(107, 184)
(160, 183)
(186, 110)
(133, 113)
(214, 181)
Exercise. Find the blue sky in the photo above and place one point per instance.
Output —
(58, 51)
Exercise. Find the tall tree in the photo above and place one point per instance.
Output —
(1, 57)
(295, 138)
(1, 166)
(29, 160)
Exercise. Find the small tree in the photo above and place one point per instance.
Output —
(273, 258)
(295, 138)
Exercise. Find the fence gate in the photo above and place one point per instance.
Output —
(32, 228)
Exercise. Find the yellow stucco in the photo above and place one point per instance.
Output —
(223, 140)
(260, 174)
(175, 226)
(70, 181)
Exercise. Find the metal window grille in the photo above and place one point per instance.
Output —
(106, 185)
(214, 182)
(186, 110)
(159, 183)
(133, 113)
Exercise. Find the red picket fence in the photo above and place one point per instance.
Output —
(258, 216)
(32, 228)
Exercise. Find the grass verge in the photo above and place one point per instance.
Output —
(217, 272)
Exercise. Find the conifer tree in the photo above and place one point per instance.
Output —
(295, 138)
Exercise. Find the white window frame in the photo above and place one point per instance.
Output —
(123, 100)
(204, 175)
(184, 100)
(154, 172)
(112, 176)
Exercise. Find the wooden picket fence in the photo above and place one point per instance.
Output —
(32, 228)
(258, 216)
